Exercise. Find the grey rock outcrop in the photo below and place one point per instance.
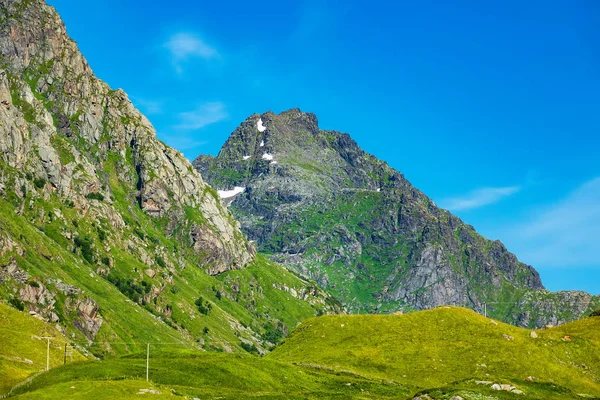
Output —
(89, 321)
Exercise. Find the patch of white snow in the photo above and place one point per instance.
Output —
(246, 157)
(226, 194)
(267, 156)
(262, 143)
(273, 162)
(379, 189)
(260, 126)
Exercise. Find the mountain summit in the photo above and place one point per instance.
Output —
(315, 201)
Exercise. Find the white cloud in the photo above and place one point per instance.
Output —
(184, 46)
(565, 234)
(149, 107)
(479, 198)
(205, 114)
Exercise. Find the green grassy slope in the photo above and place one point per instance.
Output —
(22, 351)
(435, 354)
(205, 376)
(127, 325)
(437, 347)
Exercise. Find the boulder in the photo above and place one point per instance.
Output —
(150, 272)
(533, 335)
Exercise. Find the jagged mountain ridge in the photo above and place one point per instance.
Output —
(315, 201)
(107, 232)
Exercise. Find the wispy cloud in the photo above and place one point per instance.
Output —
(479, 198)
(205, 114)
(183, 46)
(564, 234)
(149, 107)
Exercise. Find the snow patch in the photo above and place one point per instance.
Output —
(262, 144)
(226, 194)
(267, 156)
(379, 189)
(246, 157)
(260, 126)
(273, 162)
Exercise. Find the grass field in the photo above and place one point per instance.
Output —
(22, 351)
(204, 375)
(437, 347)
(442, 353)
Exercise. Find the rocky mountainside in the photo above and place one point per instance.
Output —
(64, 127)
(315, 201)
(104, 229)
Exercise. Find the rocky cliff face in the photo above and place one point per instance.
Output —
(63, 127)
(316, 202)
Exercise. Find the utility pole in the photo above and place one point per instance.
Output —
(47, 350)
(147, 360)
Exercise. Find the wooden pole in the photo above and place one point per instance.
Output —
(48, 356)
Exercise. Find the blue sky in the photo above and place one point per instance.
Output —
(490, 108)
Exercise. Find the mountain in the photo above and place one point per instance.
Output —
(108, 233)
(315, 201)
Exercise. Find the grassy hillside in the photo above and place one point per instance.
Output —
(22, 351)
(225, 376)
(438, 347)
(205, 376)
(436, 354)
(237, 305)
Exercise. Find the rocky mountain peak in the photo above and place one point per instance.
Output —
(290, 145)
(318, 203)
(266, 133)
